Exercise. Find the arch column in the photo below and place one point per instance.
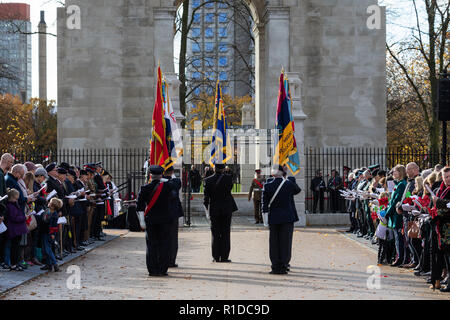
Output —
(163, 46)
(276, 56)
(295, 86)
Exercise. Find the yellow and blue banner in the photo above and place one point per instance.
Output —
(220, 144)
(286, 152)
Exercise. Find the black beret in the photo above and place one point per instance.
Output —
(105, 173)
(89, 169)
(169, 169)
(156, 170)
(50, 167)
(64, 165)
(382, 173)
(62, 171)
(83, 173)
(72, 173)
(258, 170)
(98, 164)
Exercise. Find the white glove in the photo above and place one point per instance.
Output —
(265, 216)
(140, 215)
(206, 212)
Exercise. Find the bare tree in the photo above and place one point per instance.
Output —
(428, 47)
(241, 18)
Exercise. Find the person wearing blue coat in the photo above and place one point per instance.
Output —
(281, 217)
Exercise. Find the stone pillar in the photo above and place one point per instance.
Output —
(295, 85)
(42, 58)
(164, 33)
(277, 52)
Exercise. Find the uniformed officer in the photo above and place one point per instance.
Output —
(177, 209)
(89, 233)
(99, 212)
(154, 201)
(220, 203)
(278, 199)
(256, 189)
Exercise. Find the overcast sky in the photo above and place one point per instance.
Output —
(399, 19)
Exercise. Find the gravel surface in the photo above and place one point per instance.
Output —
(325, 264)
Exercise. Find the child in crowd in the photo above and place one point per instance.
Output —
(51, 218)
(16, 225)
(382, 230)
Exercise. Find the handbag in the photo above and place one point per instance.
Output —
(414, 230)
(31, 223)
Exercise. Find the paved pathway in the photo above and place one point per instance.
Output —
(326, 264)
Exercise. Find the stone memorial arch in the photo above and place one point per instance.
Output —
(333, 56)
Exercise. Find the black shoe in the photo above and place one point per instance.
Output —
(55, 268)
(173, 265)
(274, 272)
(153, 274)
(5, 266)
(46, 267)
(445, 289)
(417, 273)
(79, 248)
(426, 274)
(360, 235)
(57, 256)
(418, 268)
(225, 260)
(16, 268)
(99, 239)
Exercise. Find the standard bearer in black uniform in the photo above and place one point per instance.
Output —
(154, 203)
(220, 203)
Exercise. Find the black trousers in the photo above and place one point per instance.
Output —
(97, 220)
(15, 250)
(3, 240)
(173, 242)
(437, 257)
(220, 234)
(76, 229)
(334, 200)
(280, 245)
(158, 245)
(318, 198)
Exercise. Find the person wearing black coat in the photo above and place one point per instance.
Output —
(196, 179)
(318, 188)
(155, 201)
(334, 185)
(221, 205)
(177, 209)
(278, 200)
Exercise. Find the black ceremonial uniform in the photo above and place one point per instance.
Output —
(177, 212)
(157, 221)
(99, 211)
(221, 205)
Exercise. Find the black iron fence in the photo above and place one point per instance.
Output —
(127, 165)
(327, 159)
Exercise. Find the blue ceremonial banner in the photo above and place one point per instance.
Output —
(220, 144)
